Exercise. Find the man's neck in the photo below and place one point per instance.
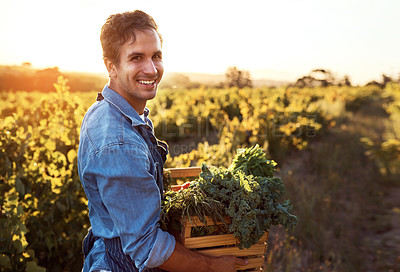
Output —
(138, 106)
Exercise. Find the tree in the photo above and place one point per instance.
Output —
(386, 79)
(324, 77)
(238, 78)
(346, 81)
(321, 78)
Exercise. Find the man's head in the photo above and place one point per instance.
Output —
(133, 56)
(120, 28)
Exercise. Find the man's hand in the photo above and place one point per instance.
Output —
(227, 263)
(183, 260)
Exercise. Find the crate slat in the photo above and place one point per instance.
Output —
(214, 240)
(196, 222)
(184, 172)
(209, 241)
(253, 250)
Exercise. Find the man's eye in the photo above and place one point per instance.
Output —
(136, 58)
(157, 57)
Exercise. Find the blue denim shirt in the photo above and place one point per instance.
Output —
(119, 177)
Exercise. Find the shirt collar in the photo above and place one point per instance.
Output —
(126, 109)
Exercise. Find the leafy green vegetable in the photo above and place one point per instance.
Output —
(253, 202)
(187, 203)
(252, 161)
(246, 191)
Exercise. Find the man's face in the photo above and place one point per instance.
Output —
(140, 69)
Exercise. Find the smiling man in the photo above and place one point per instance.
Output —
(135, 74)
(120, 161)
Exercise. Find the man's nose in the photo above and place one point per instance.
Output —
(150, 68)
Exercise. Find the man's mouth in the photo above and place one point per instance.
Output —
(147, 82)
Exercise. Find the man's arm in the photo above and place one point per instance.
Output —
(129, 198)
(183, 260)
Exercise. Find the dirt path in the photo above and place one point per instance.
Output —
(382, 241)
(349, 218)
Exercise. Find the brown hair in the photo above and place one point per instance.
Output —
(121, 27)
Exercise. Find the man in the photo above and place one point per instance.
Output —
(120, 161)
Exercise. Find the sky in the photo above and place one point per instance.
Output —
(278, 40)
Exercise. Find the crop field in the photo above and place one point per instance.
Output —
(337, 151)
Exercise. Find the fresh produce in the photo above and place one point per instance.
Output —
(187, 203)
(252, 161)
(246, 191)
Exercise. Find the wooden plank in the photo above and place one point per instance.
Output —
(196, 222)
(257, 249)
(253, 263)
(184, 172)
(209, 241)
(187, 233)
(215, 240)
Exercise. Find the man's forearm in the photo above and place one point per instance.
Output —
(183, 259)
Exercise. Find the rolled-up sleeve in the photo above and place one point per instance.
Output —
(131, 196)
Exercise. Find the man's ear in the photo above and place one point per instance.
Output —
(110, 67)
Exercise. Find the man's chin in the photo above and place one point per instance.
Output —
(151, 95)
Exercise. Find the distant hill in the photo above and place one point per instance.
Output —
(210, 80)
(217, 78)
(27, 78)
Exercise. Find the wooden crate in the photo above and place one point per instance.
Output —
(184, 172)
(223, 244)
(217, 245)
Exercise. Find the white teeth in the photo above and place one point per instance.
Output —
(146, 82)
